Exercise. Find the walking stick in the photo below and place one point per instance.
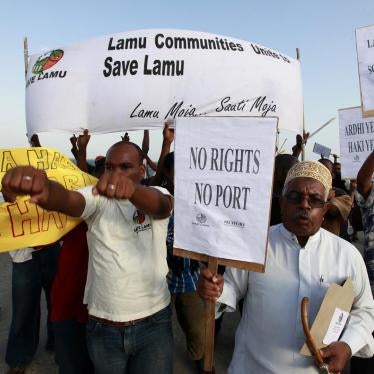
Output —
(322, 366)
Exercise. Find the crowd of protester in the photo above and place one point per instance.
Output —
(112, 283)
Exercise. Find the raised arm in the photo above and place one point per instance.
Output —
(147, 199)
(145, 149)
(300, 142)
(50, 195)
(168, 135)
(74, 149)
(145, 142)
(82, 143)
(364, 176)
(152, 201)
(150, 163)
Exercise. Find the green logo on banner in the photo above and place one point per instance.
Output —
(47, 60)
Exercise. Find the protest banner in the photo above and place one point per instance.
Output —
(356, 136)
(223, 184)
(24, 224)
(365, 59)
(137, 79)
(321, 150)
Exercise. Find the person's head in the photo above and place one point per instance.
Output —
(304, 197)
(329, 164)
(125, 158)
(283, 163)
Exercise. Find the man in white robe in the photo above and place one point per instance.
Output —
(302, 260)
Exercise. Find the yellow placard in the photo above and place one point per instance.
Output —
(24, 224)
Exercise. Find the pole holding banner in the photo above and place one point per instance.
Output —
(322, 127)
(26, 54)
(298, 57)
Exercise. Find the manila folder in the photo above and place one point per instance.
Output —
(336, 297)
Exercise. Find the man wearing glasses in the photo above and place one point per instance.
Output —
(302, 260)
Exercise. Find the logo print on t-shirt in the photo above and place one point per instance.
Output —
(138, 217)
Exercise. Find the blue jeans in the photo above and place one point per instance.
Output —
(28, 280)
(143, 348)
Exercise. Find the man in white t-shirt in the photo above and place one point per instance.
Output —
(129, 328)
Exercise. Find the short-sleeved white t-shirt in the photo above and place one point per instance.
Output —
(127, 267)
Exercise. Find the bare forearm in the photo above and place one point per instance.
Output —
(364, 176)
(296, 152)
(74, 151)
(152, 165)
(145, 143)
(27, 180)
(62, 200)
(152, 202)
(82, 160)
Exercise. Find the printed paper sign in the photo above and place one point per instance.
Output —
(338, 321)
(322, 150)
(223, 184)
(24, 224)
(365, 58)
(135, 80)
(356, 136)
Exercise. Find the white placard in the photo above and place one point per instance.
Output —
(336, 326)
(223, 184)
(135, 80)
(365, 58)
(322, 150)
(356, 136)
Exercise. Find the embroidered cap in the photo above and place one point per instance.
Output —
(311, 169)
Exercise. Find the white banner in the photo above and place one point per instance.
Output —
(223, 184)
(137, 79)
(365, 58)
(356, 140)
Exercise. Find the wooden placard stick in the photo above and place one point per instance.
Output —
(210, 311)
(25, 54)
(210, 306)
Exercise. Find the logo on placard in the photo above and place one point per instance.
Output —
(138, 217)
(356, 158)
(341, 315)
(232, 223)
(201, 218)
(47, 60)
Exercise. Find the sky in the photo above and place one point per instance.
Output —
(324, 31)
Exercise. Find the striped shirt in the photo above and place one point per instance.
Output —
(183, 272)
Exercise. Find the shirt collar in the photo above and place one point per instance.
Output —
(292, 237)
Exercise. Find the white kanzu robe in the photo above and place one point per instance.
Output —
(270, 334)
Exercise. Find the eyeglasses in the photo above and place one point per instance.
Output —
(297, 198)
